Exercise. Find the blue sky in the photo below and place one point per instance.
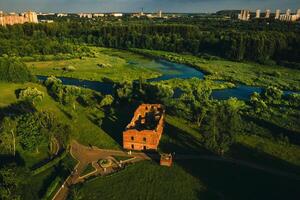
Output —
(148, 5)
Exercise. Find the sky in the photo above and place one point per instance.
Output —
(195, 6)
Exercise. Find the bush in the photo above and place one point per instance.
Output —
(52, 188)
(50, 164)
(31, 94)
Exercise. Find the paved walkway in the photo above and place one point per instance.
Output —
(90, 155)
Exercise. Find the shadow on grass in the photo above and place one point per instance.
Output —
(242, 152)
(231, 181)
(7, 159)
(17, 109)
(114, 125)
(177, 140)
(276, 131)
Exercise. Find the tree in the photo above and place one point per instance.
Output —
(124, 91)
(217, 139)
(257, 102)
(32, 95)
(272, 95)
(11, 179)
(7, 136)
(107, 101)
(13, 70)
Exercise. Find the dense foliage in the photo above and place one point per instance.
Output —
(13, 70)
(245, 43)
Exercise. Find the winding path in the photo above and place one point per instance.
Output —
(90, 155)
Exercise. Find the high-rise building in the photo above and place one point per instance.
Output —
(289, 17)
(257, 14)
(13, 18)
(298, 12)
(244, 15)
(268, 12)
(277, 14)
(160, 14)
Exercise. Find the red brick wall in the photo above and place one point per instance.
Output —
(134, 139)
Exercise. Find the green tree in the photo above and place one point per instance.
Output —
(32, 95)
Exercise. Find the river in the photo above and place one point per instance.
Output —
(169, 71)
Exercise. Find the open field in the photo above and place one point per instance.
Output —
(106, 64)
(240, 72)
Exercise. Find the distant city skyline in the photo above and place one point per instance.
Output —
(193, 6)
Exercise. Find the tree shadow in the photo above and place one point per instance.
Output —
(255, 155)
(115, 124)
(17, 109)
(276, 130)
(232, 181)
(7, 159)
(177, 140)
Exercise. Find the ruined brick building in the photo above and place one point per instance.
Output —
(13, 18)
(145, 129)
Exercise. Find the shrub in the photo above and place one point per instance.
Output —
(50, 164)
(31, 94)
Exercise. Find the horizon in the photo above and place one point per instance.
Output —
(148, 6)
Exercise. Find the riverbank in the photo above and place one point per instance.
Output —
(100, 67)
(250, 74)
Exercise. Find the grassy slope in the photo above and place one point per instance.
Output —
(83, 129)
(87, 68)
(146, 180)
(199, 179)
(247, 73)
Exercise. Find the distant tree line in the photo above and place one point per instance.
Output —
(264, 46)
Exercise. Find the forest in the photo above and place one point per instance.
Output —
(263, 46)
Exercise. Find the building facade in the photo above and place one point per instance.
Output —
(277, 14)
(166, 160)
(145, 129)
(244, 15)
(268, 13)
(13, 18)
(257, 14)
(289, 17)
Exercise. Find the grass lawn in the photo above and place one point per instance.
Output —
(267, 152)
(146, 180)
(242, 72)
(190, 179)
(88, 169)
(117, 66)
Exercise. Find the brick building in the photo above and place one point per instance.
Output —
(145, 129)
(166, 160)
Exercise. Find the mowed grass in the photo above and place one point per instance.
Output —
(252, 74)
(267, 152)
(146, 180)
(289, 153)
(190, 179)
(118, 67)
